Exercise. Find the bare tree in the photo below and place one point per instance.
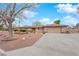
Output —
(8, 14)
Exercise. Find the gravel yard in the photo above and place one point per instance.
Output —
(23, 40)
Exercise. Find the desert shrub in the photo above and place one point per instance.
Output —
(22, 30)
(67, 32)
(44, 32)
(0, 29)
(15, 30)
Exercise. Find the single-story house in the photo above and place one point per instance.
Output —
(53, 28)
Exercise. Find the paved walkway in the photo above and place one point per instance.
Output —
(51, 45)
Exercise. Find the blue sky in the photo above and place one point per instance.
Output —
(47, 13)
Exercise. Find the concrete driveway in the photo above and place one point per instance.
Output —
(51, 44)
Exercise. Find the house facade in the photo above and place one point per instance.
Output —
(53, 28)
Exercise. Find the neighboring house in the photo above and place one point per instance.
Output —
(53, 28)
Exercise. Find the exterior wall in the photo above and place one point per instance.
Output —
(57, 29)
(38, 30)
(52, 29)
(65, 29)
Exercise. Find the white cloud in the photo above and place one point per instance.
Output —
(51, 22)
(28, 13)
(68, 8)
(45, 20)
(69, 20)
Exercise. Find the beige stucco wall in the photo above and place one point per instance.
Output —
(54, 30)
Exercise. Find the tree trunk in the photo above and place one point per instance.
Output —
(10, 31)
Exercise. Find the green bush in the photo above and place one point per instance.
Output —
(15, 30)
(22, 30)
(1, 29)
